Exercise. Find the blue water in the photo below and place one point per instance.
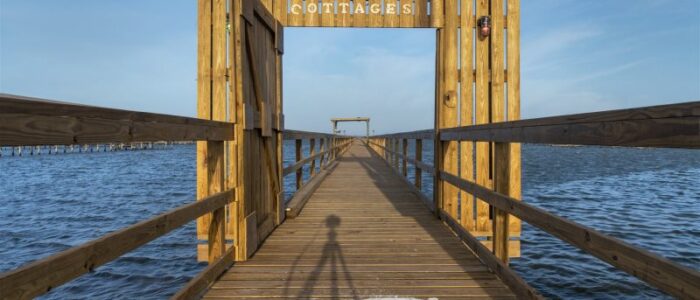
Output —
(647, 197)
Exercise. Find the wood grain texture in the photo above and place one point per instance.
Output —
(513, 99)
(673, 126)
(31, 121)
(482, 116)
(41, 276)
(321, 254)
(466, 110)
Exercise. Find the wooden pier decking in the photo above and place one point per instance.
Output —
(362, 234)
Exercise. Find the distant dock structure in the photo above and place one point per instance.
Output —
(85, 148)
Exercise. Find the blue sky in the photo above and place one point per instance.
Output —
(577, 56)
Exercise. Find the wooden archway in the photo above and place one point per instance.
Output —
(239, 80)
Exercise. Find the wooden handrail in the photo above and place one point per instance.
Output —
(31, 121)
(419, 164)
(302, 135)
(672, 126)
(39, 277)
(296, 166)
(660, 272)
(426, 134)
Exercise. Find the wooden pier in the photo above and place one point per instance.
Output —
(363, 233)
(357, 228)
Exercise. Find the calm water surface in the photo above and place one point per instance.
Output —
(647, 197)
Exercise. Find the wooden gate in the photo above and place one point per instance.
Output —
(239, 80)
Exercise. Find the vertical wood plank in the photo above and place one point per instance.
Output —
(405, 160)
(391, 13)
(312, 151)
(359, 13)
(501, 185)
(296, 13)
(374, 12)
(321, 148)
(311, 13)
(437, 144)
(406, 18)
(238, 208)
(215, 173)
(327, 13)
(482, 116)
(343, 17)
(497, 89)
(300, 178)
(420, 14)
(513, 70)
(437, 11)
(280, 7)
(419, 157)
(204, 86)
(466, 109)
(449, 104)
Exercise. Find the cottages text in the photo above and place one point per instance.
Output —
(344, 8)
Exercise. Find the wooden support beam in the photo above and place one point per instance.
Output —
(312, 151)
(405, 155)
(419, 157)
(300, 171)
(502, 186)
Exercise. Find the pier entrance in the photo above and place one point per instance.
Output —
(356, 226)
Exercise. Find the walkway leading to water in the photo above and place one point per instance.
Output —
(363, 234)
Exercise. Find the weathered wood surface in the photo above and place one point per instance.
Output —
(674, 125)
(362, 234)
(31, 121)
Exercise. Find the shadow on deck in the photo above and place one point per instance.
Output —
(363, 234)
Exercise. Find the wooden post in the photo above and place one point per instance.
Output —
(300, 171)
(447, 105)
(312, 151)
(322, 147)
(466, 110)
(502, 186)
(482, 115)
(513, 61)
(405, 158)
(419, 157)
(217, 225)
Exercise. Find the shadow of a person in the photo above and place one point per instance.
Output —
(331, 255)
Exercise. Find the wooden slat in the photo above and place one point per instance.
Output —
(312, 13)
(327, 13)
(405, 10)
(297, 166)
(436, 13)
(449, 106)
(513, 98)
(359, 14)
(204, 102)
(344, 17)
(391, 13)
(466, 110)
(31, 121)
(41, 276)
(296, 13)
(483, 156)
(674, 125)
(420, 13)
(374, 11)
(501, 221)
(660, 272)
(299, 170)
(312, 153)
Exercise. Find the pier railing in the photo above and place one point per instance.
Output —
(667, 126)
(31, 121)
(329, 146)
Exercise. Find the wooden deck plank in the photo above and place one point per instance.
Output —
(362, 234)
